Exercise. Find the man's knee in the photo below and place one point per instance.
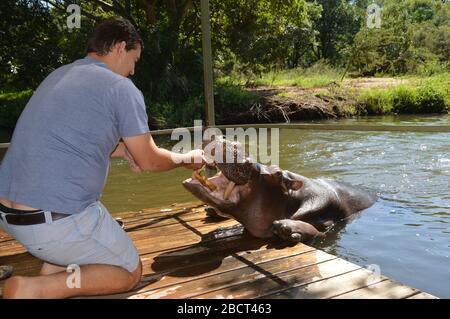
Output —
(16, 288)
(136, 276)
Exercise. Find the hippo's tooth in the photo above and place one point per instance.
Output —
(228, 190)
(203, 180)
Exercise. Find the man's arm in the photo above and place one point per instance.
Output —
(149, 157)
(122, 152)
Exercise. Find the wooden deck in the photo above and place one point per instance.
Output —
(186, 255)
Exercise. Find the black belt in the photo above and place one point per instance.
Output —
(21, 217)
(31, 219)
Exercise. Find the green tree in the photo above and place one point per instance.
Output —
(414, 35)
(28, 44)
(336, 27)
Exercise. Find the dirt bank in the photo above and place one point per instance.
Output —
(292, 103)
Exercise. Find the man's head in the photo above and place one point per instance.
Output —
(116, 42)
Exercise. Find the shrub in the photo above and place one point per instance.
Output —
(405, 99)
(233, 99)
(376, 101)
(11, 106)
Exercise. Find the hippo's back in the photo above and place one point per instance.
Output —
(353, 198)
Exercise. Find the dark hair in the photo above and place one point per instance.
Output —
(111, 31)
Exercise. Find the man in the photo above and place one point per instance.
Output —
(56, 166)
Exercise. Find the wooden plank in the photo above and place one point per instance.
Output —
(325, 266)
(247, 278)
(422, 295)
(4, 236)
(151, 217)
(162, 211)
(25, 264)
(212, 265)
(150, 238)
(154, 222)
(11, 247)
(147, 242)
(178, 259)
(187, 255)
(160, 242)
(162, 262)
(386, 289)
(330, 287)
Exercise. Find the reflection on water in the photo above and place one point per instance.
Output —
(406, 233)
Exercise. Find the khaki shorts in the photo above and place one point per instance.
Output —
(89, 237)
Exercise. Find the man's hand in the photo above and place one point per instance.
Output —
(122, 151)
(195, 159)
(149, 157)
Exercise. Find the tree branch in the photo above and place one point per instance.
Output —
(149, 8)
(180, 13)
(106, 6)
(55, 5)
(117, 8)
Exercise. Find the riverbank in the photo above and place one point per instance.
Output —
(289, 96)
(326, 97)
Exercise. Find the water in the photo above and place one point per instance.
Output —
(406, 233)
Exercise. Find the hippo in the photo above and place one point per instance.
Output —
(269, 201)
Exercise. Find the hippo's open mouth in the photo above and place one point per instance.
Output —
(218, 186)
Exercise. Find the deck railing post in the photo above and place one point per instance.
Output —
(207, 64)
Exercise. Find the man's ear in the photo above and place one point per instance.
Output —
(120, 47)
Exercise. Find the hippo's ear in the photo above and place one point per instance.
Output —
(290, 182)
(295, 185)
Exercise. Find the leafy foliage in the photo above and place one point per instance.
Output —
(254, 41)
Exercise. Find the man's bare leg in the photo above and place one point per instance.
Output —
(95, 280)
(50, 269)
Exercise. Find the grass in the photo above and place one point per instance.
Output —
(318, 75)
(283, 94)
(11, 105)
(298, 78)
(420, 96)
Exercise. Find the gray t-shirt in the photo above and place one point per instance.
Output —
(59, 155)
